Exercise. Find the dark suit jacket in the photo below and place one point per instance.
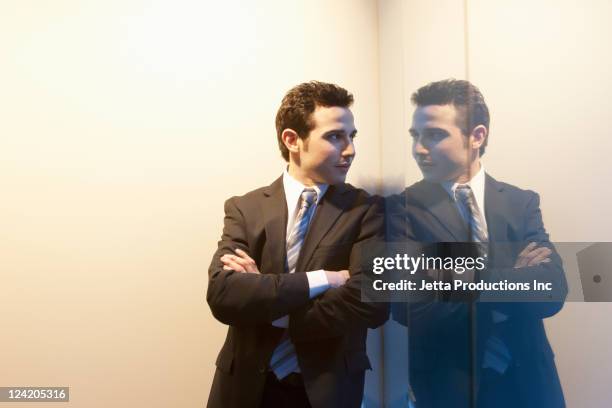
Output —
(329, 331)
(442, 357)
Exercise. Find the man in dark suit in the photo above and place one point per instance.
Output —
(475, 351)
(286, 276)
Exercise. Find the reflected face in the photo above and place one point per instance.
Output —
(439, 146)
(325, 156)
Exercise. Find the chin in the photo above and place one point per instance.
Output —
(335, 180)
(430, 176)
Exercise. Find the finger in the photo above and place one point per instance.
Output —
(537, 251)
(541, 250)
(335, 279)
(526, 250)
(225, 260)
(521, 260)
(235, 266)
(241, 261)
(251, 268)
(530, 252)
(527, 260)
(537, 255)
(244, 255)
(249, 264)
(545, 260)
(539, 259)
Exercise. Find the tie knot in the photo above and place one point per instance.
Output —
(463, 193)
(309, 196)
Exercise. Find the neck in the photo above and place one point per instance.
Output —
(297, 173)
(469, 173)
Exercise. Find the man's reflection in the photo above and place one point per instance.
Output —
(471, 352)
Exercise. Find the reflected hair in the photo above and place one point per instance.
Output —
(467, 99)
(300, 102)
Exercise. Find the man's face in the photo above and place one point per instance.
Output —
(325, 156)
(438, 145)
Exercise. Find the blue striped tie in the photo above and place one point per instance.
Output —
(496, 355)
(284, 360)
(465, 196)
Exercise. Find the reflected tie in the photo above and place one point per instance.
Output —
(284, 360)
(496, 355)
(465, 196)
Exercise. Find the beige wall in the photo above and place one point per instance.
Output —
(125, 125)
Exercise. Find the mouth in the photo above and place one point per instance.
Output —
(344, 166)
(426, 165)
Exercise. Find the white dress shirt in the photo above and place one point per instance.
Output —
(317, 280)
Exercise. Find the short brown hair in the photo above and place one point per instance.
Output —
(464, 96)
(300, 102)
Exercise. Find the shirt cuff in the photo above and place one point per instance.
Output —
(498, 317)
(282, 322)
(317, 281)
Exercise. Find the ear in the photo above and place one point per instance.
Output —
(478, 136)
(290, 140)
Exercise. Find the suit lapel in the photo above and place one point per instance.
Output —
(328, 210)
(495, 207)
(275, 220)
(438, 202)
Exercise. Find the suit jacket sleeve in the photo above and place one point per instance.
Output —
(237, 298)
(425, 314)
(341, 310)
(552, 271)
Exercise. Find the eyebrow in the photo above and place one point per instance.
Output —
(435, 129)
(353, 133)
(428, 129)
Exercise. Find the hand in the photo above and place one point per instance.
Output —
(241, 262)
(532, 255)
(337, 278)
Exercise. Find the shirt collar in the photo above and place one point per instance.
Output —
(476, 183)
(293, 189)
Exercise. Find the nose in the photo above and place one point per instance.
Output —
(418, 148)
(349, 148)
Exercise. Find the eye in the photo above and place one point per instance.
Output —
(435, 135)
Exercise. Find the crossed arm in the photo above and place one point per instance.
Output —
(536, 259)
(242, 262)
(238, 294)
